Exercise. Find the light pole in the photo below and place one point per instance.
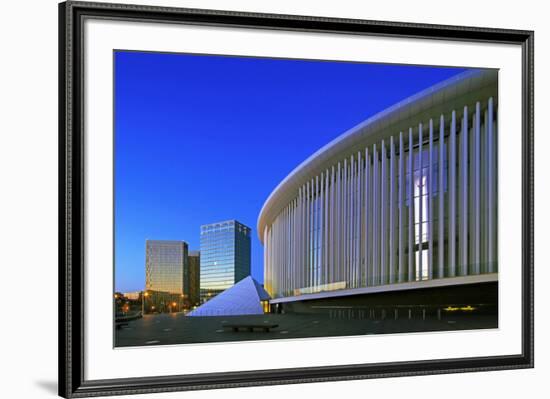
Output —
(116, 300)
(144, 295)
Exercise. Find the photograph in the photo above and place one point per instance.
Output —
(274, 199)
(262, 198)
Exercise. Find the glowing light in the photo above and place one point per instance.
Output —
(450, 309)
(468, 308)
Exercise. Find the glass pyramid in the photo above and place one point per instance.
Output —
(241, 299)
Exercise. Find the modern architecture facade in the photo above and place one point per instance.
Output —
(408, 198)
(165, 266)
(169, 280)
(225, 256)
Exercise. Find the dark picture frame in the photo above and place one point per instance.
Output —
(72, 382)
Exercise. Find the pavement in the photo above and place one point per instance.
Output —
(176, 328)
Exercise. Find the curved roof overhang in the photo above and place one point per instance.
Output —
(441, 99)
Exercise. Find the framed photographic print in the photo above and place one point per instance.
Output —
(347, 198)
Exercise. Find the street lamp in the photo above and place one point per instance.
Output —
(116, 300)
(144, 295)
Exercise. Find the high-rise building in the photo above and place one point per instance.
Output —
(194, 277)
(167, 282)
(225, 256)
(165, 262)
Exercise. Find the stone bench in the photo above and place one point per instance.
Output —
(250, 327)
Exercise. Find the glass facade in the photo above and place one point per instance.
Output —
(225, 256)
(165, 263)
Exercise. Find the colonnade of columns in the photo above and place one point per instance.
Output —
(420, 204)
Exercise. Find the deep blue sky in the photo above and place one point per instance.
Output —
(201, 139)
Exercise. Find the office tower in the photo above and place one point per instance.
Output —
(166, 275)
(225, 256)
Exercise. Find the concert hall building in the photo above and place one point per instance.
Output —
(403, 203)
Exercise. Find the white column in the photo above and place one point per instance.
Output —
(288, 245)
(326, 229)
(441, 197)
(375, 218)
(346, 198)
(338, 236)
(358, 220)
(383, 216)
(276, 255)
(351, 220)
(332, 223)
(298, 240)
(318, 230)
(353, 211)
(401, 195)
(308, 234)
(430, 200)
(275, 258)
(392, 207)
(452, 197)
(463, 240)
(368, 221)
(411, 274)
(308, 237)
(477, 188)
(281, 253)
(282, 216)
(292, 244)
(267, 261)
(303, 238)
(341, 237)
(420, 205)
(286, 248)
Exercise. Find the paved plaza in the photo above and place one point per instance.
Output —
(176, 328)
